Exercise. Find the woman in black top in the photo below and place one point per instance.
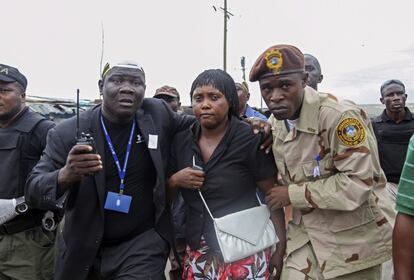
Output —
(233, 165)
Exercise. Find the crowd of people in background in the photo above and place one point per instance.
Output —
(135, 182)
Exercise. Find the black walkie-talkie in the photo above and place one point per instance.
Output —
(82, 138)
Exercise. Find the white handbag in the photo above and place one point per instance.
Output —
(244, 233)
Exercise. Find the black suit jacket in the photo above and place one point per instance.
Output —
(84, 211)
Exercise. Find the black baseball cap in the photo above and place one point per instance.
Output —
(10, 74)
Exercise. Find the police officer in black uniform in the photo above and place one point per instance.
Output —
(26, 247)
(393, 130)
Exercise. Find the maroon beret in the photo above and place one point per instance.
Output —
(277, 60)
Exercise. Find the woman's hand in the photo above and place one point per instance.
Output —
(276, 261)
(188, 178)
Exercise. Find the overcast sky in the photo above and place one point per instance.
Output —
(57, 44)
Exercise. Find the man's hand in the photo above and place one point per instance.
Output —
(277, 197)
(7, 210)
(187, 178)
(403, 247)
(79, 163)
(259, 125)
(276, 261)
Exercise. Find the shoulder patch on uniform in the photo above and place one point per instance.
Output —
(350, 132)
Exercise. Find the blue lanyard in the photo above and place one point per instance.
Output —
(121, 172)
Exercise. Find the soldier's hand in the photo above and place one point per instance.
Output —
(79, 163)
(187, 178)
(277, 197)
(261, 126)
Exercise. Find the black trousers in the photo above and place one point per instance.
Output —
(143, 257)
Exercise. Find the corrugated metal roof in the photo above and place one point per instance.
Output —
(56, 107)
(66, 107)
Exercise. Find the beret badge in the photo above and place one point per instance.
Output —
(274, 60)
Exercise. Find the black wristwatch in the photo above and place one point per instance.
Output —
(21, 205)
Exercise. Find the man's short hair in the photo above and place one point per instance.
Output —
(316, 61)
(390, 82)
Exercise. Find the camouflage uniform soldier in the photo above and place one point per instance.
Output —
(327, 158)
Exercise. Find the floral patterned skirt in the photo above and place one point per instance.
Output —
(205, 263)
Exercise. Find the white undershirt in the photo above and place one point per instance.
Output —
(292, 123)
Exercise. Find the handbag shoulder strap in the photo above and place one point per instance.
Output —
(205, 204)
(208, 209)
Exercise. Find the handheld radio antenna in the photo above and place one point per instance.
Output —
(77, 114)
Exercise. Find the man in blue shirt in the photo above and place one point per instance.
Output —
(244, 109)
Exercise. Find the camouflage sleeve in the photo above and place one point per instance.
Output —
(350, 166)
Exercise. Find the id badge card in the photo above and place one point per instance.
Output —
(152, 141)
(118, 202)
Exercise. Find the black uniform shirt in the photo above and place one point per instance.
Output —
(21, 145)
(230, 176)
(139, 183)
(393, 141)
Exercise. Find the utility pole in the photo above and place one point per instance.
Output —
(102, 53)
(243, 67)
(225, 37)
(227, 15)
